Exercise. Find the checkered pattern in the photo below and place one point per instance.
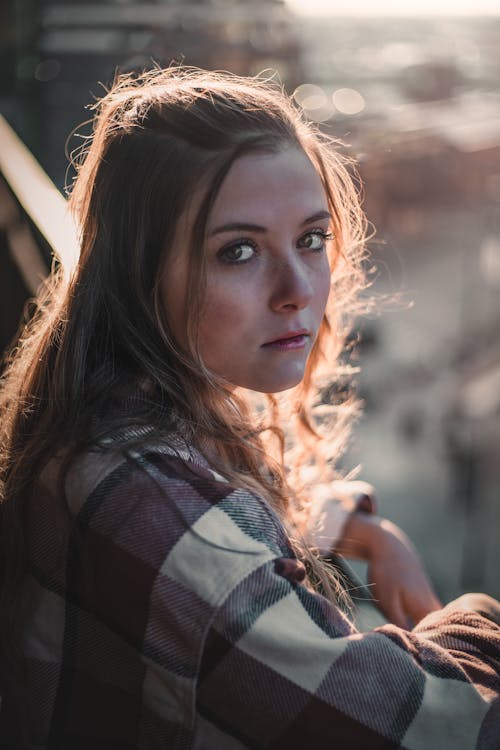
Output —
(166, 609)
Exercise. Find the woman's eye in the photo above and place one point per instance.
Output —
(315, 240)
(239, 253)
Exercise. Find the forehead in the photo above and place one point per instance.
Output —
(266, 186)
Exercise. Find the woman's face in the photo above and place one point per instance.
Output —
(268, 275)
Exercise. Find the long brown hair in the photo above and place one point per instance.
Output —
(101, 336)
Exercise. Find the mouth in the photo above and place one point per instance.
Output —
(290, 340)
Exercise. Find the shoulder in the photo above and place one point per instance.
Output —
(165, 508)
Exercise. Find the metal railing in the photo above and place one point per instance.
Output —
(43, 204)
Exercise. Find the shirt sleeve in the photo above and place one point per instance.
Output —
(278, 666)
(282, 668)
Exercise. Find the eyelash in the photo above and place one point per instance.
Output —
(235, 246)
(326, 236)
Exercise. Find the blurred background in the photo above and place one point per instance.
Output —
(415, 97)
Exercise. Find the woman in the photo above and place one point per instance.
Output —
(157, 574)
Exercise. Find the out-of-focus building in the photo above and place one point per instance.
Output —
(431, 156)
(417, 103)
(61, 55)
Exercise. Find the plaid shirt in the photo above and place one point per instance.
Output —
(167, 609)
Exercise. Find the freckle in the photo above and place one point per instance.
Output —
(222, 309)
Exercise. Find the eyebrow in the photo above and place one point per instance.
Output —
(239, 226)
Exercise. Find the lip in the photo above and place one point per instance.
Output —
(290, 339)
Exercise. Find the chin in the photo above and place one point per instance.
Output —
(267, 379)
(275, 385)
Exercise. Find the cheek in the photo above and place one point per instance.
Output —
(223, 318)
(229, 302)
(323, 286)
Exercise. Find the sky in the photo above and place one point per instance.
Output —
(401, 8)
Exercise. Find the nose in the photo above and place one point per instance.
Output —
(292, 285)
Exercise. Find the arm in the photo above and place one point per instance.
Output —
(278, 666)
(281, 669)
(344, 518)
(399, 582)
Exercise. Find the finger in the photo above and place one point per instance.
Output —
(418, 607)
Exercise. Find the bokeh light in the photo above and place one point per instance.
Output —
(314, 101)
(348, 101)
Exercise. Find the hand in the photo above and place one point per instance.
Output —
(481, 603)
(399, 583)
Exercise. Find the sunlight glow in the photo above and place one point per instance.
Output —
(39, 197)
(388, 8)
